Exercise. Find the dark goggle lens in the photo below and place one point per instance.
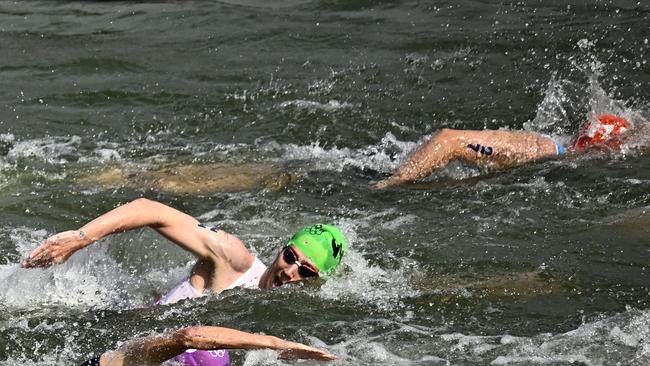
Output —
(305, 271)
(291, 257)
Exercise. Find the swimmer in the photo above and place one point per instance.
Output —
(223, 262)
(154, 350)
(191, 178)
(501, 149)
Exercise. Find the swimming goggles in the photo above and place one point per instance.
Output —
(305, 270)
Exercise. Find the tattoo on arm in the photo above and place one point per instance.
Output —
(483, 150)
(213, 228)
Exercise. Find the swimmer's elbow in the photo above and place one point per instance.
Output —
(144, 202)
(445, 131)
(142, 205)
(446, 134)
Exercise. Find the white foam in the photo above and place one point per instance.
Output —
(262, 357)
(364, 346)
(367, 284)
(562, 98)
(392, 219)
(102, 156)
(376, 353)
(311, 106)
(538, 360)
(373, 157)
(66, 284)
(90, 278)
(476, 344)
(623, 336)
(50, 149)
(552, 111)
(7, 137)
(25, 238)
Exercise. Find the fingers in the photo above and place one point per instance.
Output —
(39, 251)
(324, 356)
(39, 257)
(36, 263)
(307, 352)
(41, 260)
(54, 250)
(320, 354)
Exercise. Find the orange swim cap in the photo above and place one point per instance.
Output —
(602, 132)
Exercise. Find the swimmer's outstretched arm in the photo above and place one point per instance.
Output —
(157, 349)
(498, 149)
(175, 225)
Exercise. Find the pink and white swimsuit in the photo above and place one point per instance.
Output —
(184, 290)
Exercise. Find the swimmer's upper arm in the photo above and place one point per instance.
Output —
(183, 230)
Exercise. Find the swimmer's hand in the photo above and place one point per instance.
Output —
(301, 351)
(56, 249)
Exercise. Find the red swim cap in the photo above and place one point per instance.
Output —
(602, 132)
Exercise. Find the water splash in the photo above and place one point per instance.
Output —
(567, 105)
(624, 336)
(312, 106)
(381, 157)
(552, 116)
(89, 279)
(50, 149)
(368, 284)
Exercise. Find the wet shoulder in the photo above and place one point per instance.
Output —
(228, 248)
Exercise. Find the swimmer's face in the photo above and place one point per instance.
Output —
(290, 265)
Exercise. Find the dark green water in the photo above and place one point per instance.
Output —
(546, 264)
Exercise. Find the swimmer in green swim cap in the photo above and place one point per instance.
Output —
(313, 251)
(223, 261)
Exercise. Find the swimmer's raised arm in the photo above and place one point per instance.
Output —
(438, 151)
(157, 349)
(496, 149)
(173, 224)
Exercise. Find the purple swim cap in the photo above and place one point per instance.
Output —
(197, 357)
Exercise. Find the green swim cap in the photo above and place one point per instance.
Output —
(323, 244)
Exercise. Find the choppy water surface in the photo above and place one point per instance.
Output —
(546, 264)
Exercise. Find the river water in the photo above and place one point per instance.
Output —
(546, 264)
